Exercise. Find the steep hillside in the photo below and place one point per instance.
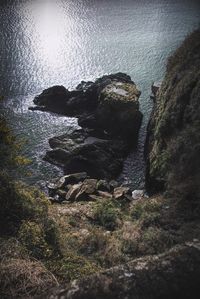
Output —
(173, 141)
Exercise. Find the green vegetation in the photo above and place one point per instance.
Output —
(173, 160)
(106, 214)
(28, 261)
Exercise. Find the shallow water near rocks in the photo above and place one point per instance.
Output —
(46, 42)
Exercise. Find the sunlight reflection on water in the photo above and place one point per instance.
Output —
(45, 43)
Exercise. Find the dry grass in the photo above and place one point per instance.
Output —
(21, 276)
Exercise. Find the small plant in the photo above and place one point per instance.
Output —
(95, 241)
(71, 266)
(20, 275)
(155, 240)
(72, 221)
(146, 209)
(106, 214)
(32, 237)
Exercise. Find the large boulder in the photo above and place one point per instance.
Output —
(60, 100)
(89, 187)
(122, 193)
(99, 158)
(118, 109)
(53, 99)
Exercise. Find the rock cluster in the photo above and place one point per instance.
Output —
(109, 116)
(79, 187)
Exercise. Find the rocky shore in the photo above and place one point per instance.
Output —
(90, 237)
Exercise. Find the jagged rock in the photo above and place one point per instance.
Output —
(75, 177)
(174, 274)
(105, 194)
(113, 184)
(82, 190)
(61, 193)
(155, 87)
(84, 99)
(88, 187)
(64, 181)
(121, 192)
(73, 191)
(68, 141)
(52, 97)
(56, 184)
(137, 194)
(60, 100)
(103, 185)
(57, 156)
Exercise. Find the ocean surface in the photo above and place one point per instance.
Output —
(44, 43)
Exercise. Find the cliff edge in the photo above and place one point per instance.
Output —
(173, 139)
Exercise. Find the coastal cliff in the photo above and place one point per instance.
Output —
(173, 138)
(89, 238)
(172, 153)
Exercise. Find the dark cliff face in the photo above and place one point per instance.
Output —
(173, 139)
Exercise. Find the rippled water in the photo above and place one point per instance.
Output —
(45, 42)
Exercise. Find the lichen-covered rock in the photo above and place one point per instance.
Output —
(173, 139)
(88, 187)
(118, 109)
(174, 274)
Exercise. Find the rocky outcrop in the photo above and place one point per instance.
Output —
(174, 274)
(108, 104)
(108, 112)
(173, 139)
(81, 152)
